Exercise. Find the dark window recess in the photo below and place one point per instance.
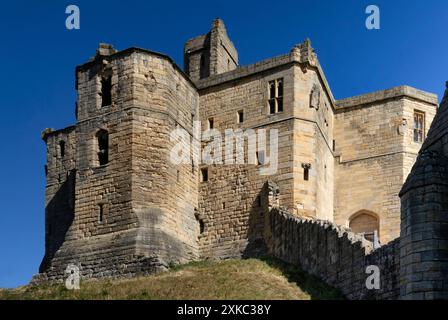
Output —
(210, 123)
(240, 116)
(275, 96)
(204, 175)
(334, 145)
(201, 226)
(101, 213)
(62, 148)
(272, 97)
(306, 171)
(103, 147)
(272, 106)
(223, 205)
(258, 201)
(106, 91)
(280, 96)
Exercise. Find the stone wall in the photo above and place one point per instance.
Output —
(333, 253)
(424, 219)
(375, 149)
(136, 213)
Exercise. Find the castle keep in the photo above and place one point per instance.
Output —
(116, 205)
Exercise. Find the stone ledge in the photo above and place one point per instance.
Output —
(396, 92)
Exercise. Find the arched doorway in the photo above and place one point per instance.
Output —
(366, 223)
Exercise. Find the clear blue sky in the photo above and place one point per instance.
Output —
(38, 57)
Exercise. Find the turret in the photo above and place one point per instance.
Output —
(210, 54)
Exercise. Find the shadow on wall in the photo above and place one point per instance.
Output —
(60, 213)
(256, 246)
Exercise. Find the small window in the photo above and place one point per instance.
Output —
(178, 175)
(201, 226)
(419, 126)
(100, 213)
(106, 91)
(275, 100)
(204, 175)
(280, 95)
(223, 205)
(103, 147)
(240, 116)
(258, 201)
(210, 123)
(334, 145)
(62, 148)
(306, 171)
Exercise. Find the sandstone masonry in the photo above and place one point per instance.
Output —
(117, 206)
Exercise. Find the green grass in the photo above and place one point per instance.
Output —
(231, 279)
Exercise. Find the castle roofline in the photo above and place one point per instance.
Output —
(131, 50)
(392, 93)
(302, 55)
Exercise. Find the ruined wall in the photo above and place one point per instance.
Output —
(210, 54)
(374, 152)
(333, 253)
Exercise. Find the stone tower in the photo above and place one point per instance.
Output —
(114, 203)
(424, 217)
(210, 54)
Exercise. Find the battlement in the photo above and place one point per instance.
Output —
(210, 54)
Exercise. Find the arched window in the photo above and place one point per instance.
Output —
(102, 137)
(366, 223)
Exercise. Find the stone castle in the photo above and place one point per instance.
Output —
(117, 206)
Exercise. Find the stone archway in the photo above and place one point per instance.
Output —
(365, 222)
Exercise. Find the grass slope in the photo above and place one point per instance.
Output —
(232, 279)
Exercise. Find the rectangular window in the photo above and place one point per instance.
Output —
(101, 213)
(106, 91)
(240, 116)
(419, 126)
(210, 123)
(275, 100)
(306, 171)
(204, 175)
